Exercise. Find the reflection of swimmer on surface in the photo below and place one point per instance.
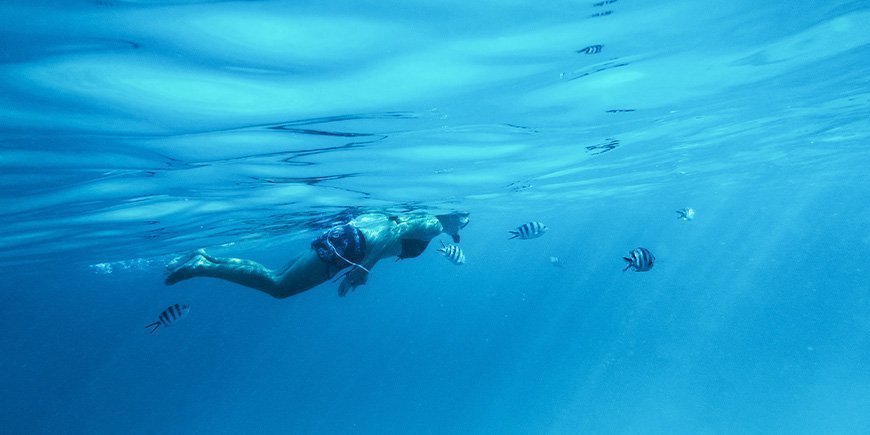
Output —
(360, 243)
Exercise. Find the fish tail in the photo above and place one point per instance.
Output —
(627, 266)
(154, 326)
(515, 234)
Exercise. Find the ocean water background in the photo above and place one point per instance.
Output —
(134, 131)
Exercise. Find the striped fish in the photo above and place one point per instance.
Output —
(686, 214)
(169, 316)
(592, 49)
(639, 259)
(530, 230)
(452, 253)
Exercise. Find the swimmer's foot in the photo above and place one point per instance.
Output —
(185, 266)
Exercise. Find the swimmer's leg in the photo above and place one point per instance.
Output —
(240, 271)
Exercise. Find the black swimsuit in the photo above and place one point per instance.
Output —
(340, 246)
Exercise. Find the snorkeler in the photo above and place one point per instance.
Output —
(359, 244)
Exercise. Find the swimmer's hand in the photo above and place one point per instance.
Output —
(356, 277)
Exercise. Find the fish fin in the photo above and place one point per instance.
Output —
(627, 266)
(154, 326)
(515, 234)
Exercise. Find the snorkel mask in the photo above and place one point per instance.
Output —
(454, 222)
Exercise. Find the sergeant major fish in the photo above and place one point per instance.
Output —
(686, 214)
(639, 259)
(530, 230)
(592, 49)
(169, 316)
(452, 253)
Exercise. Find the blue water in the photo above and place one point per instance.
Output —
(135, 131)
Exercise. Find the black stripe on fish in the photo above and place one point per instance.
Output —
(639, 259)
(592, 49)
(452, 253)
(168, 316)
(601, 14)
(529, 230)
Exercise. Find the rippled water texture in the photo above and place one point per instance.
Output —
(126, 122)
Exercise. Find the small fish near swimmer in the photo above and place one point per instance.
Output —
(639, 259)
(531, 230)
(686, 214)
(452, 253)
(169, 316)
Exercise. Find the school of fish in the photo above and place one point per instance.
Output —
(639, 259)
